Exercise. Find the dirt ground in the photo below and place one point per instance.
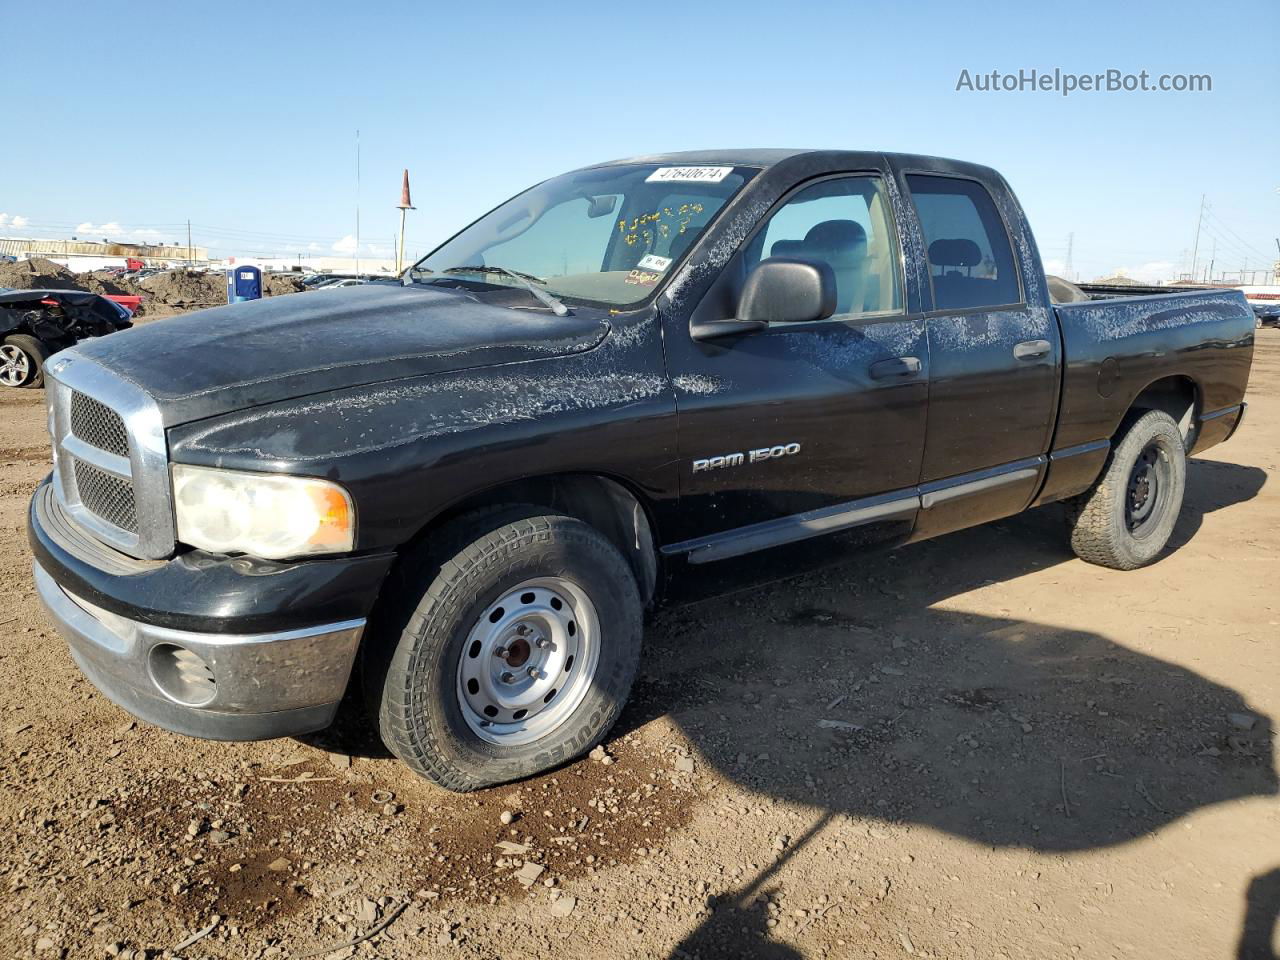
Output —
(978, 747)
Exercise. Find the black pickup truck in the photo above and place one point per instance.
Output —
(639, 381)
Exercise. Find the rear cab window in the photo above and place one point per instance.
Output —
(970, 258)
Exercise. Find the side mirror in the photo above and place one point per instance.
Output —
(788, 290)
(778, 290)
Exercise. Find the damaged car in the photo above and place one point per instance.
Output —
(35, 324)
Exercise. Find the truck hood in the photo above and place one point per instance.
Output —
(229, 358)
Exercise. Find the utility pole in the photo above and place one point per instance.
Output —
(1071, 237)
(1208, 277)
(1195, 249)
(404, 205)
(190, 255)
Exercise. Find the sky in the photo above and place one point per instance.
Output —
(244, 120)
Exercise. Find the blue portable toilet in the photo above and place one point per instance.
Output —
(244, 283)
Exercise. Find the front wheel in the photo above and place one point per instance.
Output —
(22, 360)
(1126, 520)
(518, 655)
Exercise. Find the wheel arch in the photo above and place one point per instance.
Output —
(608, 504)
(1177, 395)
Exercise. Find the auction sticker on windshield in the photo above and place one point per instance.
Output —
(688, 175)
(651, 261)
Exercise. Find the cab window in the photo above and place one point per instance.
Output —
(843, 222)
(970, 261)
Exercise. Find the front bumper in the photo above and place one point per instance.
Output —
(226, 648)
(211, 685)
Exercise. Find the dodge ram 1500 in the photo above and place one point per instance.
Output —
(631, 381)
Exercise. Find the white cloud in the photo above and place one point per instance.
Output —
(346, 245)
(313, 247)
(101, 229)
(378, 250)
(4, 219)
(1151, 272)
(19, 221)
(1056, 267)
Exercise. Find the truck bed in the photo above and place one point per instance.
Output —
(1117, 348)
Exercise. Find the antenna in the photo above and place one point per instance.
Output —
(357, 201)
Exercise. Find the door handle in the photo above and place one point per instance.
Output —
(1031, 349)
(895, 367)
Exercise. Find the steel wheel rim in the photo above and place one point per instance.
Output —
(1150, 479)
(528, 661)
(15, 366)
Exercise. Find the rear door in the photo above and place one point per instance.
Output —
(994, 356)
(805, 428)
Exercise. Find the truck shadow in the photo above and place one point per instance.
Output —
(1213, 485)
(851, 693)
(1260, 931)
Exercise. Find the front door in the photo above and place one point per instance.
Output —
(804, 429)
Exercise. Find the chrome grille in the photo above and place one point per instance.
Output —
(98, 425)
(110, 497)
(110, 457)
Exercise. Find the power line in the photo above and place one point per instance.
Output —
(1244, 252)
(1253, 250)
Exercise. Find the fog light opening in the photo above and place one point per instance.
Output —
(181, 675)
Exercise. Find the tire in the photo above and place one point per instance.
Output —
(22, 360)
(509, 593)
(1114, 524)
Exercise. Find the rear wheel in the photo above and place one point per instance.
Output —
(22, 360)
(517, 656)
(1126, 520)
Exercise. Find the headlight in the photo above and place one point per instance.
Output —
(262, 514)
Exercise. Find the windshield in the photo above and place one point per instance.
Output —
(608, 235)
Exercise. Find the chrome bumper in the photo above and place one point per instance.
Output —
(216, 686)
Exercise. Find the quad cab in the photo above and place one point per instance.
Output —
(629, 384)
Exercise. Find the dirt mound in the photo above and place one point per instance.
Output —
(192, 290)
(279, 284)
(185, 288)
(37, 274)
(108, 284)
(174, 291)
